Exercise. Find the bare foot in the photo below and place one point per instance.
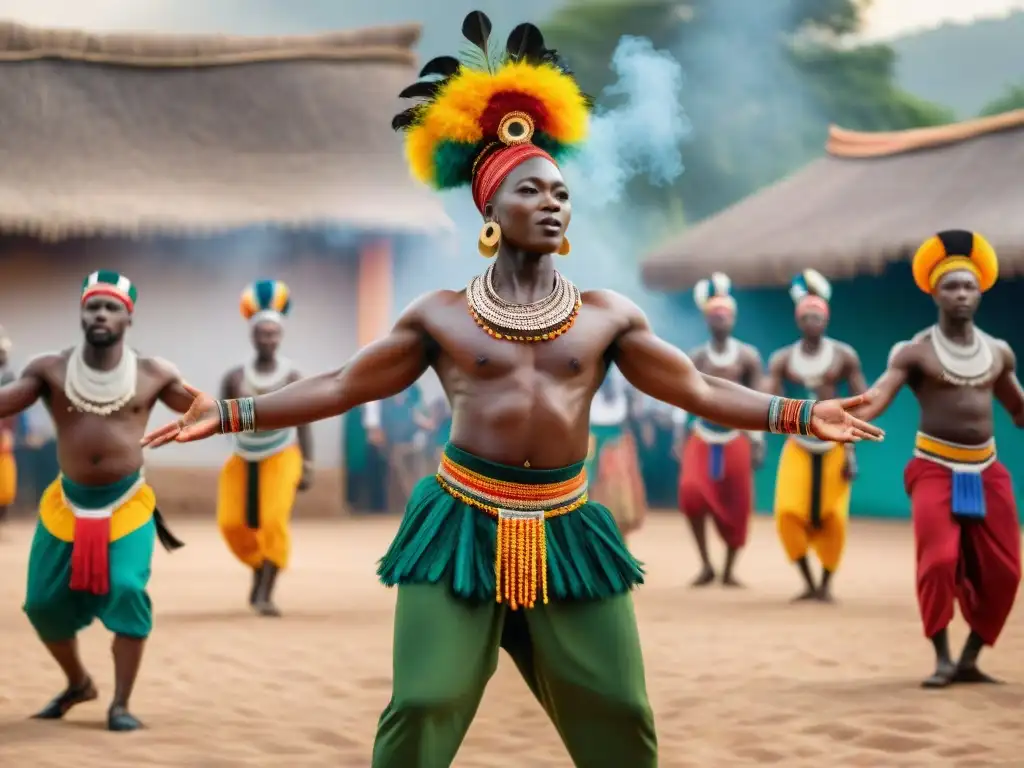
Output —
(266, 608)
(808, 594)
(705, 577)
(121, 720)
(942, 676)
(825, 595)
(970, 674)
(731, 581)
(73, 695)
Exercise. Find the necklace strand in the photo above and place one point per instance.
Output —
(542, 320)
(100, 392)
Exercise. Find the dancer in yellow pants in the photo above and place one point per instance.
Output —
(258, 483)
(812, 489)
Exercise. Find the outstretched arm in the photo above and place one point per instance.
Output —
(855, 373)
(1007, 387)
(377, 372)
(665, 373)
(21, 393)
(902, 358)
(174, 394)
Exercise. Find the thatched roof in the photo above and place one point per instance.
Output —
(133, 134)
(872, 200)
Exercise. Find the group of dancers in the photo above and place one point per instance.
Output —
(502, 547)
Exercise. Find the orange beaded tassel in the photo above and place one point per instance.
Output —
(521, 509)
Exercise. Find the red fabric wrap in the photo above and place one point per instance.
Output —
(90, 556)
(812, 304)
(496, 167)
(106, 289)
(976, 563)
(730, 501)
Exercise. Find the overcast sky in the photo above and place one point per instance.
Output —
(886, 18)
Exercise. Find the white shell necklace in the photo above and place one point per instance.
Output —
(90, 390)
(811, 369)
(726, 357)
(260, 382)
(964, 365)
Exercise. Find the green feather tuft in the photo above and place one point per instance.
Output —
(453, 163)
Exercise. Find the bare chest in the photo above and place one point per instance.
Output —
(68, 414)
(465, 350)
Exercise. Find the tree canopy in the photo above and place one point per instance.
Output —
(1011, 99)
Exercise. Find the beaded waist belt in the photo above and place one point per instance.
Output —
(520, 508)
(957, 457)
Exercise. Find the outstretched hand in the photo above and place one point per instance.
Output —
(200, 421)
(831, 420)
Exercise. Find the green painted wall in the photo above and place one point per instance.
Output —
(871, 314)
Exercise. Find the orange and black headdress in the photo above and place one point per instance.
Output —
(483, 114)
(953, 250)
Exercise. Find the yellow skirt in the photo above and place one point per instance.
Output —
(8, 478)
(812, 503)
(254, 506)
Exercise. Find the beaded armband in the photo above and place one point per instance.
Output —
(237, 415)
(790, 417)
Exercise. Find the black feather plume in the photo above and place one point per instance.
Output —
(476, 28)
(446, 66)
(525, 43)
(405, 119)
(425, 89)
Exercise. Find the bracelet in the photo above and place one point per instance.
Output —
(790, 417)
(237, 415)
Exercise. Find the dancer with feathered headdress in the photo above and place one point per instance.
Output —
(812, 489)
(502, 547)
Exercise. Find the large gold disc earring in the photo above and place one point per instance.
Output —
(564, 248)
(490, 237)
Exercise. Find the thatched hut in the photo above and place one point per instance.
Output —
(869, 202)
(194, 165)
(857, 215)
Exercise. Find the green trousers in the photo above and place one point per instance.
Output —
(581, 659)
(59, 613)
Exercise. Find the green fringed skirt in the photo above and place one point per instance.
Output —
(444, 540)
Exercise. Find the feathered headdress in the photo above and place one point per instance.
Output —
(266, 301)
(483, 114)
(714, 294)
(952, 250)
(811, 292)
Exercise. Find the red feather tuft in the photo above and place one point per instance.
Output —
(504, 102)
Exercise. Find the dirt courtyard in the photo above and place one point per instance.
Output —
(736, 677)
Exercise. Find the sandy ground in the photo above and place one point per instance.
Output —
(736, 677)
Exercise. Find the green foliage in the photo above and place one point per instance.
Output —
(764, 80)
(1011, 99)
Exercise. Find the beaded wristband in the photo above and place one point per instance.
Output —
(790, 417)
(237, 415)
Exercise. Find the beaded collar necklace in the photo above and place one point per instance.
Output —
(542, 320)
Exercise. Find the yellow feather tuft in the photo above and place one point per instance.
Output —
(457, 109)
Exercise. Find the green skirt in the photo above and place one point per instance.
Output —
(444, 540)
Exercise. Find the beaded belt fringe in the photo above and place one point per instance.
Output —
(520, 555)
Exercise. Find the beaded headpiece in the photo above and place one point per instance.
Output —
(490, 110)
(714, 294)
(266, 301)
(953, 250)
(106, 282)
(811, 292)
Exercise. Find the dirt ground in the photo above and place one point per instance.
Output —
(736, 677)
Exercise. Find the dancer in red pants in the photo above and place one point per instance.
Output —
(965, 517)
(716, 479)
